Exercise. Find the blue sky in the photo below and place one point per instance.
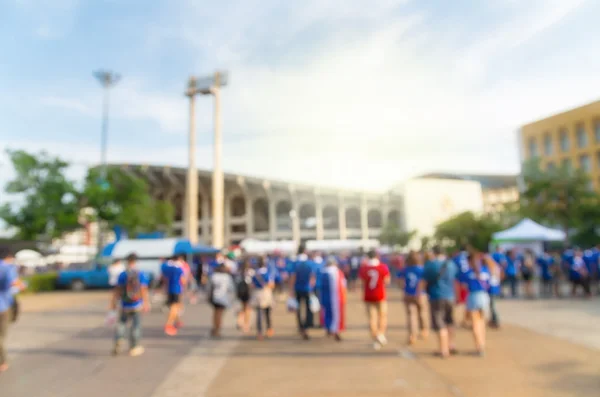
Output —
(330, 92)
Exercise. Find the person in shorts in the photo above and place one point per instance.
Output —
(243, 282)
(375, 276)
(221, 290)
(173, 276)
(440, 276)
(477, 280)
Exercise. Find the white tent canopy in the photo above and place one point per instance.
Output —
(29, 258)
(528, 230)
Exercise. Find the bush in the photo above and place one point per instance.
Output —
(41, 282)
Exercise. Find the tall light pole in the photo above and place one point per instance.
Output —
(210, 85)
(108, 80)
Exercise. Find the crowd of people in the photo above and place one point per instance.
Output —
(316, 288)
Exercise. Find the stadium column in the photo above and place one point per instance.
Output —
(205, 218)
(385, 210)
(226, 221)
(249, 215)
(319, 215)
(364, 218)
(192, 174)
(296, 235)
(342, 217)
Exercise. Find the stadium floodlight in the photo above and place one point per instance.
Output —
(210, 85)
(107, 80)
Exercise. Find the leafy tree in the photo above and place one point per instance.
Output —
(48, 199)
(467, 228)
(426, 242)
(559, 196)
(124, 199)
(392, 235)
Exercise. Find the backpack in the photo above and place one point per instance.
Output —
(431, 283)
(133, 288)
(242, 287)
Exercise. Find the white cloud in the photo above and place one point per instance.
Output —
(49, 19)
(67, 104)
(336, 93)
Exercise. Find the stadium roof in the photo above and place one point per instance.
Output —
(486, 181)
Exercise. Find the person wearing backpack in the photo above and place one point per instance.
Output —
(243, 283)
(132, 293)
(440, 275)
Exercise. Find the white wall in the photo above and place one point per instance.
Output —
(428, 202)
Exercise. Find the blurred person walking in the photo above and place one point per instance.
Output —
(477, 280)
(131, 292)
(174, 279)
(411, 282)
(528, 273)
(440, 275)
(262, 298)
(513, 268)
(333, 298)
(9, 286)
(375, 276)
(302, 281)
(243, 282)
(220, 292)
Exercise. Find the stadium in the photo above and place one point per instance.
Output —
(267, 209)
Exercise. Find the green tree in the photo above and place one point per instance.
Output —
(426, 242)
(559, 196)
(467, 228)
(393, 236)
(48, 200)
(124, 199)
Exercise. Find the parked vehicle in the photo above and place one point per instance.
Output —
(88, 276)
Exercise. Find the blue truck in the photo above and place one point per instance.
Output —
(86, 276)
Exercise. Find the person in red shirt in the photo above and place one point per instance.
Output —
(375, 276)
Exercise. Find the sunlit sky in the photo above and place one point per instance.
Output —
(329, 92)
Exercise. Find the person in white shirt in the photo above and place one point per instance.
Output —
(221, 291)
(114, 271)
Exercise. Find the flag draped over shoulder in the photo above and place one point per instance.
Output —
(333, 298)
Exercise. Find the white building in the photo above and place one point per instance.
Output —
(430, 201)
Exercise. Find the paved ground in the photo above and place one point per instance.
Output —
(65, 352)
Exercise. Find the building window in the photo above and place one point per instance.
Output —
(533, 150)
(564, 141)
(550, 166)
(566, 163)
(584, 163)
(548, 144)
(597, 130)
(582, 139)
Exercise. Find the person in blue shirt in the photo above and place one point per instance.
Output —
(477, 280)
(262, 296)
(302, 282)
(131, 292)
(513, 266)
(9, 284)
(174, 279)
(440, 275)
(411, 282)
(545, 263)
(495, 287)
(578, 274)
(591, 263)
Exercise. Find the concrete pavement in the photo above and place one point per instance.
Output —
(65, 352)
